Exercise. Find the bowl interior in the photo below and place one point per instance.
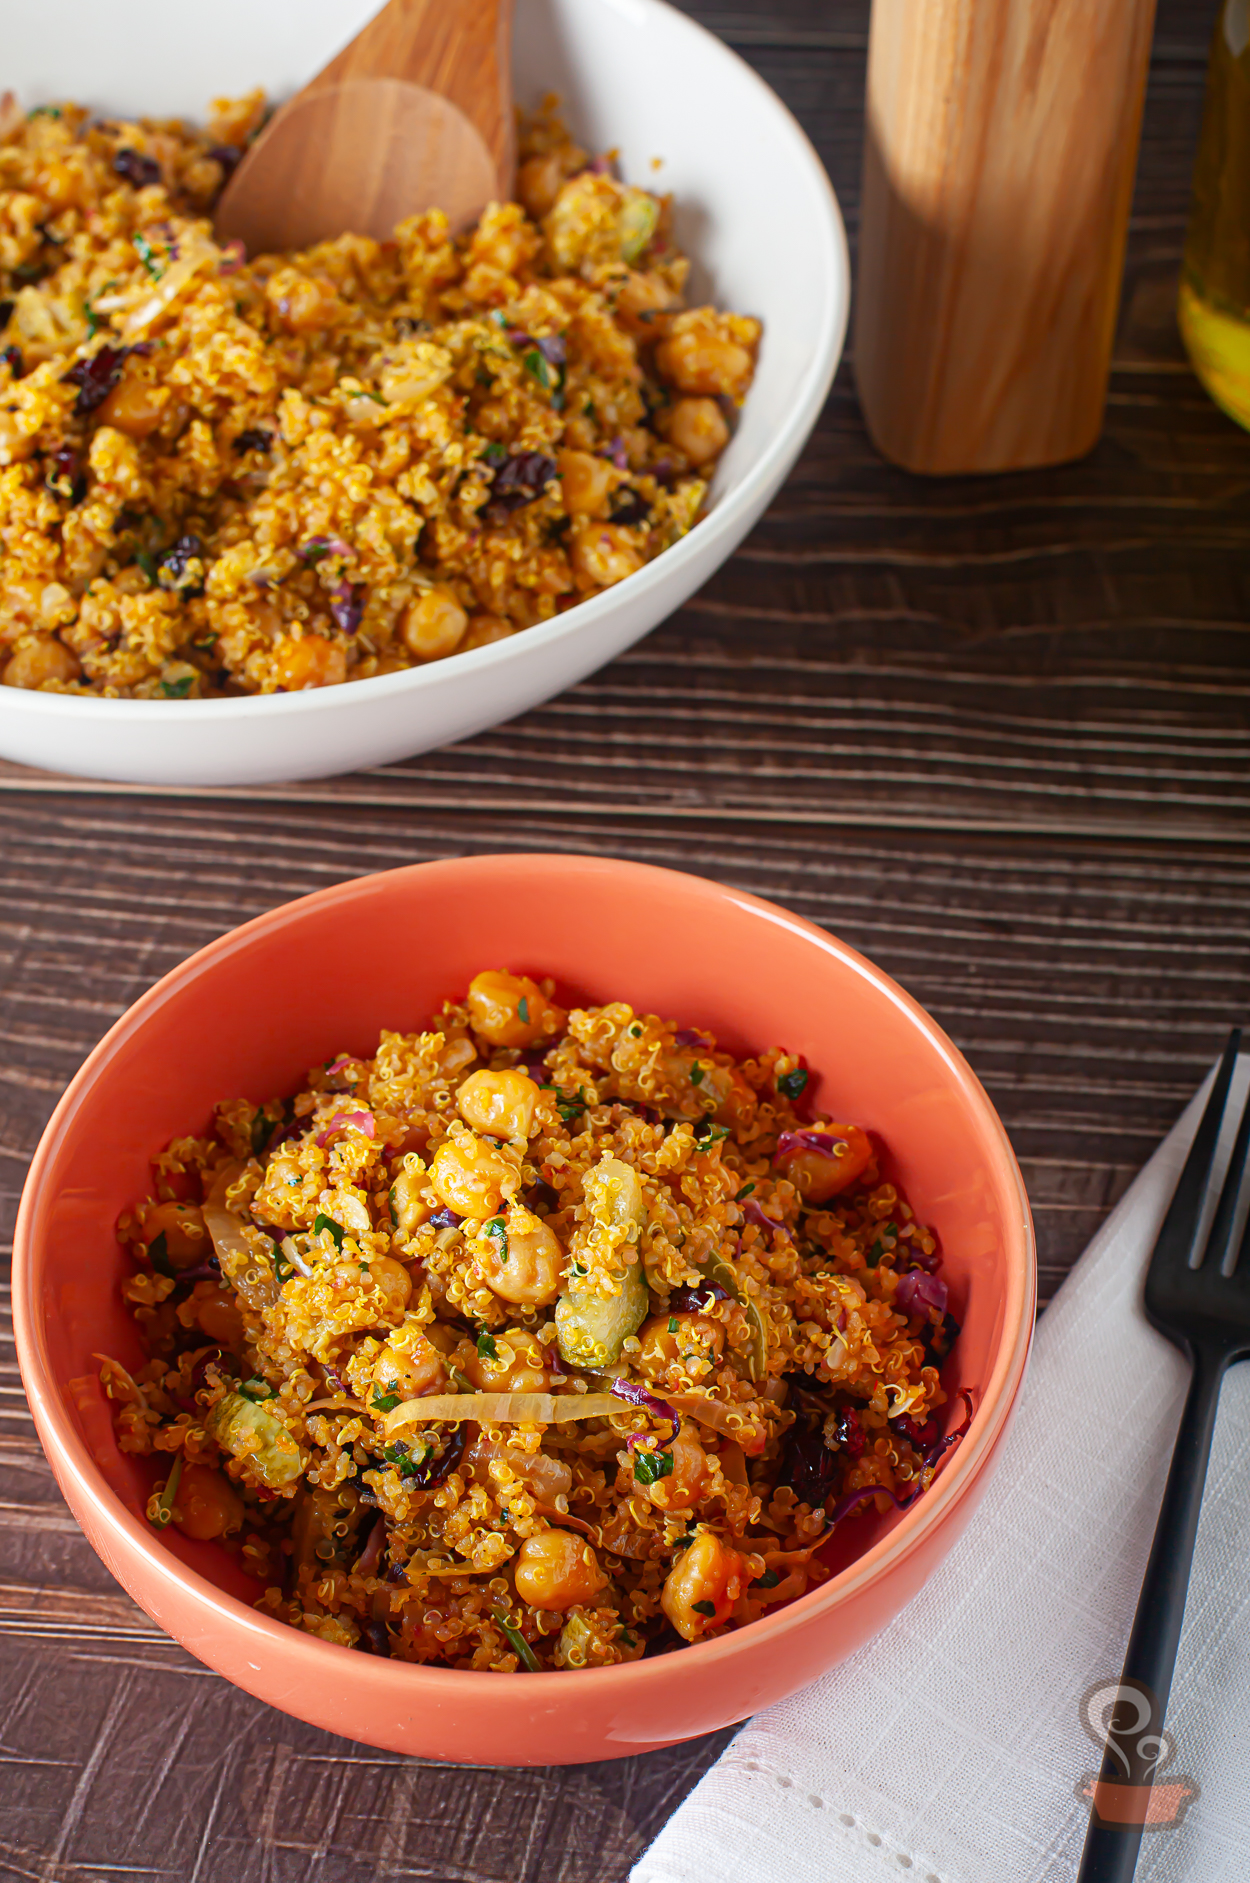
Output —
(251, 1013)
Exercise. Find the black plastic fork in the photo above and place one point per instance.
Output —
(1201, 1301)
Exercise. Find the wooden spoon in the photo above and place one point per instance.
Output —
(416, 113)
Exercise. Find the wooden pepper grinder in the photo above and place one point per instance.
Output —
(999, 154)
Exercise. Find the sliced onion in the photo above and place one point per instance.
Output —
(636, 1395)
(226, 1230)
(362, 1121)
(548, 1409)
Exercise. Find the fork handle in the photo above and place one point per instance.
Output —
(1110, 1854)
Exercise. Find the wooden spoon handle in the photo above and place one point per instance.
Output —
(461, 49)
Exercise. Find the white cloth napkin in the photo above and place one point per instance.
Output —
(949, 1749)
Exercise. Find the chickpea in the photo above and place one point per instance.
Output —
(696, 358)
(696, 1339)
(393, 1282)
(312, 661)
(485, 630)
(59, 184)
(819, 1175)
(433, 625)
(529, 1274)
(681, 1488)
(587, 481)
(38, 662)
(206, 1504)
(511, 1010)
(519, 1365)
(302, 303)
(219, 1316)
(408, 1206)
(182, 1225)
(697, 427)
(472, 1176)
(135, 406)
(601, 555)
(501, 1104)
(706, 1573)
(538, 184)
(411, 1373)
(556, 1569)
(642, 304)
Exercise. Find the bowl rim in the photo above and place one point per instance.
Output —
(829, 253)
(127, 1533)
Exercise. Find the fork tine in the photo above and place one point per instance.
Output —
(1226, 1214)
(1180, 1225)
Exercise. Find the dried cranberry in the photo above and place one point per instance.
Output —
(229, 156)
(95, 378)
(253, 440)
(66, 477)
(850, 1433)
(6, 312)
(808, 1466)
(135, 168)
(12, 357)
(174, 566)
(630, 506)
(923, 1437)
(696, 1300)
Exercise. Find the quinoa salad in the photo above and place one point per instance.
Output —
(223, 474)
(540, 1339)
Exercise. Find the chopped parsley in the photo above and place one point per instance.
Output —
(148, 564)
(177, 689)
(537, 368)
(262, 1127)
(486, 1345)
(282, 1267)
(768, 1580)
(523, 1010)
(706, 1133)
(390, 1201)
(520, 1646)
(385, 1402)
(147, 255)
(745, 1191)
(163, 1514)
(255, 1390)
(327, 1222)
(696, 1074)
(705, 1608)
(494, 453)
(399, 1455)
(635, 1033)
(792, 1085)
(45, 111)
(651, 1466)
(499, 1236)
(672, 1323)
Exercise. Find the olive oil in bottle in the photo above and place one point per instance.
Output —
(1214, 303)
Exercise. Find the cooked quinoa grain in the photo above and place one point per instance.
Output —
(531, 1340)
(223, 475)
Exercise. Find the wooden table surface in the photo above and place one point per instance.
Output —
(993, 732)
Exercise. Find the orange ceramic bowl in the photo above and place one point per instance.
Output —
(250, 1013)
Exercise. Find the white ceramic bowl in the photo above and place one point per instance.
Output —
(755, 212)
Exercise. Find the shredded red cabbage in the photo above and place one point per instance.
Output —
(66, 477)
(361, 1120)
(229, 156)
(754, 1214)
(921, 1436)
(919, 1291)
(445, 1219)
(255, 438)
(429, 1475)
(618, 455)
(520, 479)
(95, 378)
(852, 1500)
(347, 605)
(637, 1395)
(823, 1141)
(318, 546)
